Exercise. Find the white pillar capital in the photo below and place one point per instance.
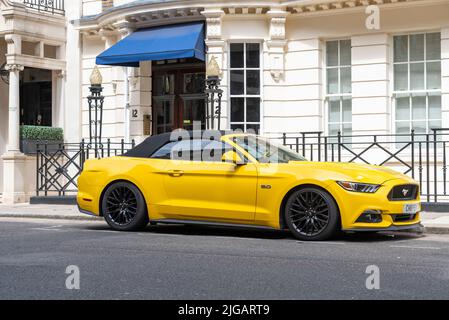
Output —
(14, 67)
(61, 74)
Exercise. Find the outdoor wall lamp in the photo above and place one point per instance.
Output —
(214, 94)
(4, 74)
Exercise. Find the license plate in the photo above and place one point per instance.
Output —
(411, 208)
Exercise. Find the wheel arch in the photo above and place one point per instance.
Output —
(282, 222)
(100, 203)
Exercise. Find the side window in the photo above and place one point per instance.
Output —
(166, 151)
(213, 151)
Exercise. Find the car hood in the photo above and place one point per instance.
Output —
(353, 172)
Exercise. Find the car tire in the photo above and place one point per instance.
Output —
(124, 207)
(311, 214)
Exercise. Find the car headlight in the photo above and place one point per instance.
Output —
(359, 187)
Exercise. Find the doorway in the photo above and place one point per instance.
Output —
(178, 96)
(36, 98)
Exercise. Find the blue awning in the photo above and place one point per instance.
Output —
(157, 43)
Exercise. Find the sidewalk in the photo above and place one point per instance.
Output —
(436, 222)
(433, 222)
(44, 211)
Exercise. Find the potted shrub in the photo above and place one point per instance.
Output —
(30, 136)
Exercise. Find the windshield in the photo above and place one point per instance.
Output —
(267, 152)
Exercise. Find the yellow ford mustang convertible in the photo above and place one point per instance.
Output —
(244, 180)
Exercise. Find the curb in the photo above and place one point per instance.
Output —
(436, 230)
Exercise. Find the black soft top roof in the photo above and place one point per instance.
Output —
(150, 145)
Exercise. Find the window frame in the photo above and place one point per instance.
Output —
(228, 147)
(409, 93)
(340, 95)
(245, 96)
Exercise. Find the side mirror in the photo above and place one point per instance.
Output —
(232, 157)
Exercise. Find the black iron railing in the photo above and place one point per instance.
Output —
(421, 156)
(59, 165)
(49, 6)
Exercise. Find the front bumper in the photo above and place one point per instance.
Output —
(391, 228)
(352, 205)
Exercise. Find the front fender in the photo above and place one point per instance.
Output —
(272, 189)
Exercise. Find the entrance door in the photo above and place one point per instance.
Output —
(178, 99)
(36, 98)
(194, 110)
(35, 104)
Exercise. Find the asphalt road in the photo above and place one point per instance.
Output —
(179, 262)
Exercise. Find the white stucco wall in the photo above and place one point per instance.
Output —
(3, 111)
(296, 103)
(72, 92)
(91, 7)
(371, 67)
(114, 93)
(113, 119)
(445, 75)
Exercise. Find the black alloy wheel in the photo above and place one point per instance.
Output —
(124, 207)
(312, 214)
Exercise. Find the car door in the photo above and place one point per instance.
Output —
(209, 189)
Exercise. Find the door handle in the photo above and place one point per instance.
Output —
(176, 173)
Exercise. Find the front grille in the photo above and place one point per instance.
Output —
(404, 217)
(404, 192)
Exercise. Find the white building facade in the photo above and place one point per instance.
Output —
(360, 67)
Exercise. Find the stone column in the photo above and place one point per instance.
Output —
(140, 100)
(14, 176)
(14, 108)
(216, 47)
(113, 120)
(292, 92)
(445, 75)
(124, 29)
(60, 91)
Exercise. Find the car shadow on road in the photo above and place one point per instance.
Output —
(252, 233)
(217, 231)
(386, 236)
